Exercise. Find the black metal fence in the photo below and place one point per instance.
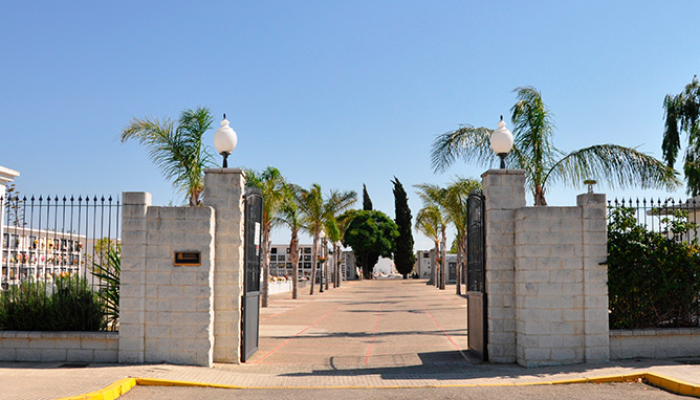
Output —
(676, 219)
(48, 241)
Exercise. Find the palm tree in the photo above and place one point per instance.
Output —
(311, 206)
(271, 184)
(289, 215)
(334, 206)
(178, 151)
(455, 204)
(683, 110)
(533, 152)
(430, 222)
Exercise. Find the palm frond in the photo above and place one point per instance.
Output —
(430, 193)
(617, 166)
(466, 143)
(429, 221)
(177, 151)
(532, 130)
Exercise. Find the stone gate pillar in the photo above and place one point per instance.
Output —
(132, 302)
(224, 189)
(504, 192)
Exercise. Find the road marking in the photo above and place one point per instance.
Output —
(443, 331)
(295, 335)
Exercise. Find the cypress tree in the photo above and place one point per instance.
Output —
(404, 258)
(366, 201)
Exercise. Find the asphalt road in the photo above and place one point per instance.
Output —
(615, 391)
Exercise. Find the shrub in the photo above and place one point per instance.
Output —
(109, 275)
(69, 304)
(654, 281)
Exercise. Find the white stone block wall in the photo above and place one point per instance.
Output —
(595, 276)
(224, 190)
(132, 299)
(166, 312)
(560, 287)
(654, 343)
(179, 301)
(504, 192)
(87, 347)
(546, 290)
(549, 286)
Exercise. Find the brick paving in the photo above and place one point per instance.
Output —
(367, 333)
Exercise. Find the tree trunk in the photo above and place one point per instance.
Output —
(335, 266)
(338, 262)
(314, 260)
(325, 263)
(458, 268)
(443, 255)
(294, 254)
(266, 245)
(436, 264)
(464, 263)
(539, 196)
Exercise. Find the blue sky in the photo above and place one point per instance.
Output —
(335, 92)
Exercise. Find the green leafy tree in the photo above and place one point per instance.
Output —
(543, 164)
(370, 234)
(653, 278)
(176, 149)
(271, 184)
(405, 258)
(366, 201)
(682, 114)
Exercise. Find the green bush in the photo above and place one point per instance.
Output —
(69, 304)
(654, 281)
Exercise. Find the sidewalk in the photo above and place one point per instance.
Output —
(365, 334)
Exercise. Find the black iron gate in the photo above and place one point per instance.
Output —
(476, 276)
(250, 313)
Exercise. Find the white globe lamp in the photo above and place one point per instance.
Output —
(225, 140)
(502, 142)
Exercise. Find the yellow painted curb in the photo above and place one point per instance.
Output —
(122, 386)
(111, 392)
(167, 382)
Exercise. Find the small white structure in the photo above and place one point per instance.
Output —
(424, 264)
(6, 176)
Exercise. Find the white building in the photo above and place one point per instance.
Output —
(281, 263)
(424, 264)
(39, 254)
(425, 260)
(6, 176)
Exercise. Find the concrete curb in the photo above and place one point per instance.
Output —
(122, 386)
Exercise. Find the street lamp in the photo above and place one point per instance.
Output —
(225, 140)
(502, 142)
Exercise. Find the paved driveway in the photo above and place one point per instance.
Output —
(366, 325)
